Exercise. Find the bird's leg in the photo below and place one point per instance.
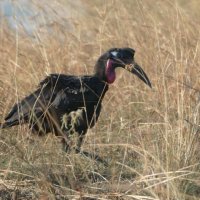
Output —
(66, 133)
(67, 140)
(88, 154)
(79, 142)
(66, 143)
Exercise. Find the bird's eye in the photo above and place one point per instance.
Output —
(114, 53)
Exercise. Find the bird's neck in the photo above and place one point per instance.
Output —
(99, 73)
(105, 71)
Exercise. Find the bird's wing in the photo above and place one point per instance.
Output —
(60, 92)
(36, 101)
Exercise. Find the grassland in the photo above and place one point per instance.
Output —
(150, 138)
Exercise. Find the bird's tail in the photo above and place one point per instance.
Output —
(6, 125)
(2, 125)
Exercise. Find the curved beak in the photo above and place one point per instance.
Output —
(138, 71)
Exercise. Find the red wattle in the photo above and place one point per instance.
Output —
(110, 72)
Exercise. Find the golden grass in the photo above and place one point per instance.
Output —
(150, 138)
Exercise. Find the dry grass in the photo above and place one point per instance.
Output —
(149, 137)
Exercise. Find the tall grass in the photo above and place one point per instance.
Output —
(150, 138)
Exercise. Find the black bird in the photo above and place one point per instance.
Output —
(65, 104)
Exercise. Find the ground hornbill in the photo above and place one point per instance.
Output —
(65, 104)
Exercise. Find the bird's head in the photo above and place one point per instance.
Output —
(118, 57)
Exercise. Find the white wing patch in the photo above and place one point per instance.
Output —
(72, 120)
